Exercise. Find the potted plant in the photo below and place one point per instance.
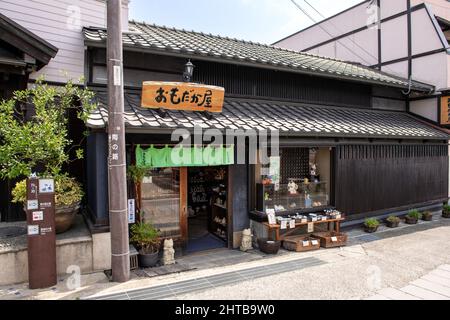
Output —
(392, 222)
(35, 139)
(269, 246)
(413, 217)
(371, 225)
(446, 211)
(68, 196)
(427, 216)
(147, 239)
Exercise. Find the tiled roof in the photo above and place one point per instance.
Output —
(157, 39)
(288, 118)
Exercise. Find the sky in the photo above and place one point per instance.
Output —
(264, 21)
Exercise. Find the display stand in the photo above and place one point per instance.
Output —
(276, 228)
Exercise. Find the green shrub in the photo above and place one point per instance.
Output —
(146, 236)
(427, 214)
(371, 223)
(67, 191)
(42, 141)
(447, 208)
(415, 214)
(136, 174)
(393, 219)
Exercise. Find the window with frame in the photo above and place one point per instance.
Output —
(295, 180)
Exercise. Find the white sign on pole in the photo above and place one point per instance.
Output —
(131, 211)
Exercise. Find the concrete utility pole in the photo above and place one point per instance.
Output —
(118, 213)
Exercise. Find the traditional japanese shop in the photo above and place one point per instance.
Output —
(346, 138)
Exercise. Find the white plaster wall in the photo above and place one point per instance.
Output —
(432, 69)
(424, 37)
(338, 25)
(59, 22)
(425, 108)
(448, 70)
(391, 7)
(394, 35)
(440, 8)
(399, 69)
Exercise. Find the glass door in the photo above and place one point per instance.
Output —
(163, 201)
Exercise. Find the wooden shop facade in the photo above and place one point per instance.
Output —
(346, 137)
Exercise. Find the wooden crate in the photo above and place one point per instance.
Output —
(326, 239)
(296, 243)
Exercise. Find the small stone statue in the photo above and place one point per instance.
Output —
(246, 240)
(169, 252)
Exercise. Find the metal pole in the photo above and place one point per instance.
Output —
(118, 212)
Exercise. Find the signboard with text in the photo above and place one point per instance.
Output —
(182, 96)
(40, 208)
(445, 111)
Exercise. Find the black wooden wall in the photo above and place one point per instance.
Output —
(371, 178)
(243, 81)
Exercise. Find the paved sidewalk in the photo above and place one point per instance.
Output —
(413, 258)
(173, 290)
(432, 286)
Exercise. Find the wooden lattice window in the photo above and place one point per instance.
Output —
(445, 110)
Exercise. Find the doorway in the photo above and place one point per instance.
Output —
(207, 213)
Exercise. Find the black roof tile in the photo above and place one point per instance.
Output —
(157, 39)
(289, 119)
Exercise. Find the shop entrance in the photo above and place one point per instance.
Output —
(207, 203)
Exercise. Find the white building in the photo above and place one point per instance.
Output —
(60, 23)
(410, 38)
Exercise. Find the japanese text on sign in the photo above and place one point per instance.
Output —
(182, 96)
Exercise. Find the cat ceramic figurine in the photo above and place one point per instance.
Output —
(169, 252)
(246, 240)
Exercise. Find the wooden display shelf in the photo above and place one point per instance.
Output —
(276, 227)
(220, 206)
(221, 226)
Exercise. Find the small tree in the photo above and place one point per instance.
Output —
(42, 140)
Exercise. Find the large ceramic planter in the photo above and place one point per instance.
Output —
(410, 220)
(392, 224)
(370, 229)
(427, 217)
(64, 217)
(269, 246)
(445, 214)
(148, 260)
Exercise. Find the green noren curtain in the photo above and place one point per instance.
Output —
(184, 156)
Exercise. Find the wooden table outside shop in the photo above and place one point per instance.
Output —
(277, 227)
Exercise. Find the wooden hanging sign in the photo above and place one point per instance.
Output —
(445, 111)
(182, 96)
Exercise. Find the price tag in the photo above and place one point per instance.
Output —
(271, 218)
(306, 243)
(283, 225)
(310, 227)
(334, 239)
(292, 224)
(315, 242)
